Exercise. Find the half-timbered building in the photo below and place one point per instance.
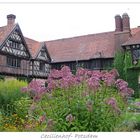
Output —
(40, 60)
(23, 56)
(14, 53)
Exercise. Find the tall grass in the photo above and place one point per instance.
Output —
(10, 92)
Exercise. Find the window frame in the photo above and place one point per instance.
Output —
(134, 55)
(13, 62)
(42, 66)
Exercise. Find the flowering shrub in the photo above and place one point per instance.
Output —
(35, 88)
(87, 101)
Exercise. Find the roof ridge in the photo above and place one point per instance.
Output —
(80, 36)
(31, 39)
(132, 37)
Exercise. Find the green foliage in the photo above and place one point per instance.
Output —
(132, 120)
(11, 123)
(127, 70)
(14, 105)
(2, 77)
(58, 105)
(132, 117)
(25, 79)
(119, 63)
(9, 93)
(132, 79)
(88, 101)
(134, 106)
(75, 108)
(128, 60)
(129, 123)
(131, 73)
(21, 107)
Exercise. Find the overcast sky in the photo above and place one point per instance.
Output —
(49, 21)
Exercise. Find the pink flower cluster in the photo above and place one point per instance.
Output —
(110, 77)
(36, 88)
(61, 79)
(93, 83)
(64, 79)
(123, 88)
(70, 118)
(113, 103)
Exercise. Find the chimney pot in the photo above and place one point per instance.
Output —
(11, 19)
(118, 23)
(126, 22)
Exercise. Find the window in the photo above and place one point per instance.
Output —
(13, 62)
(96, 64)
(42, 66)
(42, 53)
(107, 63)
(136, 54)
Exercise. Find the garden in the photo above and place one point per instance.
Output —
(89, 101)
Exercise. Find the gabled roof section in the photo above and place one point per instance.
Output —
(42, 53)
(135, 38)
(85, 47)
(5, 33)
(33, 46)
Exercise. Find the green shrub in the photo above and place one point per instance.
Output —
(132, 79)
(119, 63)
(10, 91)
(2, 77)
(14, 105)
(127, 70)
(25, 79)
(21, 107)
(132, 121)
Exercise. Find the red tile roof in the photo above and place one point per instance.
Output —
(135, 30)
(4, 32)
(134, 39)
(82, 47)
(34, 46)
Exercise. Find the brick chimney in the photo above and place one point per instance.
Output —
(125, 22)
(118, 23)
(122, 31)
(11, 19)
